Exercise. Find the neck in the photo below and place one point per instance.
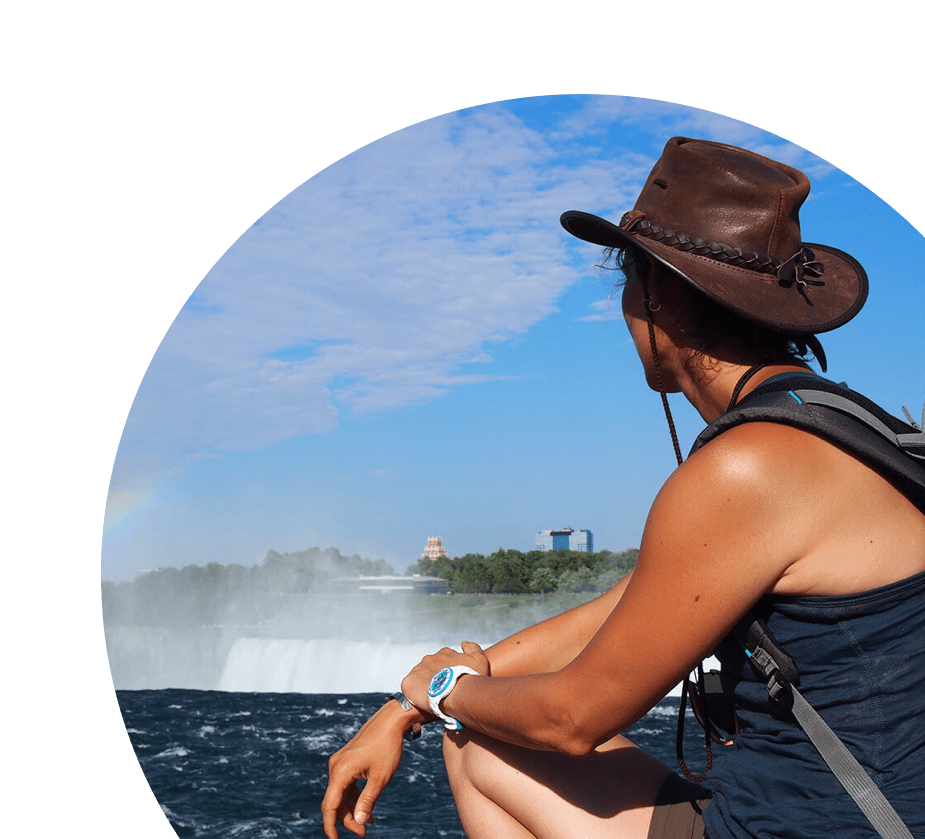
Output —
(710, 390)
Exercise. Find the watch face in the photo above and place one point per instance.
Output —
(439, 682)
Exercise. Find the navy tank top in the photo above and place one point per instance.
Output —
(861, 659)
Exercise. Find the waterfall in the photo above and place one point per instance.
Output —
(281, 665)
(285, 665)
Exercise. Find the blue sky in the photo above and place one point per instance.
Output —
(409, 345)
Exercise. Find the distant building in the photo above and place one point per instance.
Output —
(434, 549)
(583, 540)
(565, 539)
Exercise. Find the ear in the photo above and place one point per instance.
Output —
(645, 270)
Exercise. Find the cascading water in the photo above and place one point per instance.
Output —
(281, 665)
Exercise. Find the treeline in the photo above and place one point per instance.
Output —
(286, 587)
(534, 572)
(213, 593)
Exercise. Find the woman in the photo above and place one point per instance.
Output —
(720, 295)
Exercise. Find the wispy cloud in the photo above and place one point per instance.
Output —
(604, 310)
(601, 113)
(387, 278)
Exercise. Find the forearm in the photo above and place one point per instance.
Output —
(372, 755)
(552, 644)
(394, 716)
(533, 711)
(528, 663)
(527, 674)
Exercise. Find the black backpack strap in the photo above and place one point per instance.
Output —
(892, 447)
(777, 669)
(910, 440)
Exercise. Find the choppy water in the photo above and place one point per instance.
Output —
(248, 765)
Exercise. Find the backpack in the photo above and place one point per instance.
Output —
(893, 448)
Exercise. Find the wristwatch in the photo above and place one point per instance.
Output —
(415, 731)
(440, 685)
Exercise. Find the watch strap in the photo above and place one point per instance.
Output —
(439, 688)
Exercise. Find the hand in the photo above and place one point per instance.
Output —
(414, 685)
(373, 754)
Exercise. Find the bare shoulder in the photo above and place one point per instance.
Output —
(786, 466)
(745, 494)
(765, 457)
(827, 522)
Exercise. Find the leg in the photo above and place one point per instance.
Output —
(505, 792)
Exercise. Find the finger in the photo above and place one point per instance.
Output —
(345, 816)
(366, 800)
(351, 824)
(437, 657)
(474, 651)
(333, 805)
(329, 814)
(337, 805)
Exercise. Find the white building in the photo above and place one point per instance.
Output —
(565, 539)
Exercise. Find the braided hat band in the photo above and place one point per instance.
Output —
(788, 271)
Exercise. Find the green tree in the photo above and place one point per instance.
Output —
(543, 580)
(578, 579)
(472, 575)
(510, 573)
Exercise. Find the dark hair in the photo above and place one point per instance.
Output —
(706, 322)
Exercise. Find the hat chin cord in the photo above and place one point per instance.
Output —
(660, 384)
(659, 381)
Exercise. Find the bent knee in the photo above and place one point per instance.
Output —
(464, 754)
(454, 744)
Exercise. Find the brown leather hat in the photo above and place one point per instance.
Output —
(727, 220)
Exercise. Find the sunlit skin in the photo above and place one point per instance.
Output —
(764, 508)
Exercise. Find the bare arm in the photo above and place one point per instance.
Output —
(721, 533)
(551, 644)
(372, 756)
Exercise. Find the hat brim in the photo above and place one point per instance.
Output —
(758, 297)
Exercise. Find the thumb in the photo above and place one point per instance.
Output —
(482, 665)
(363, 810)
